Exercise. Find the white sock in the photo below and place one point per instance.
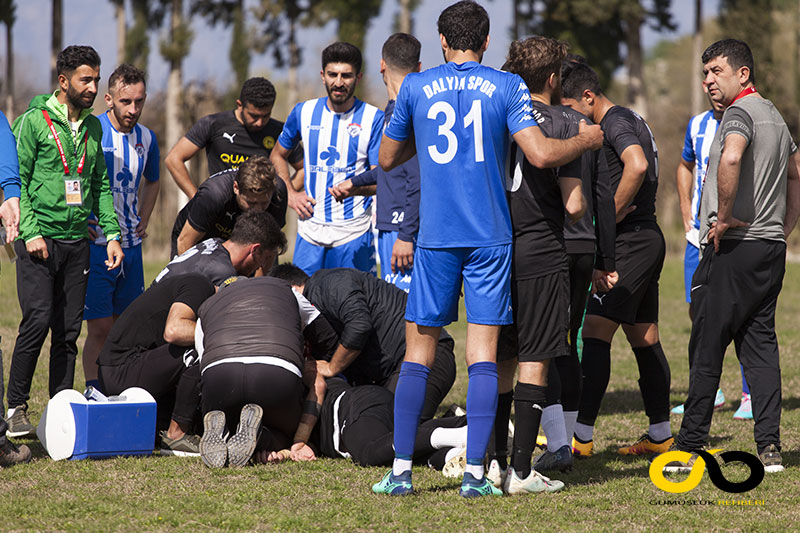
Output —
(553, 427)
(449, 438)
(401, 465)
(475, 470)
(570, 418)
(583, 432)
(11, 411)
(659, 432)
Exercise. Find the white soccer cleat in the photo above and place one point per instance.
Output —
(535, 482)
(495, 474)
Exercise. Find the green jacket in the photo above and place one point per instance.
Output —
(43, 207)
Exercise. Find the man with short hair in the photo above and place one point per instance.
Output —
(231, 137)
(632, 158)
(341, 136)
(465, 228)
(213, 211)
(131, 153)
(256, 242)
(750, 204)
(59, 143)
(397, 191)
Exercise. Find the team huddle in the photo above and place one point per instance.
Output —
(525, 187)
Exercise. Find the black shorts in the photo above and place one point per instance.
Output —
(634, 300)
(541, 319)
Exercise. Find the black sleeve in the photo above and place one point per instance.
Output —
(605, 222)
(322, 338)
(200, 133)
(353, 312)
(207, 205)
(279, 203)
(296, 154)
(620, 132)
(736, 120)
(193, 290)
(410, 225)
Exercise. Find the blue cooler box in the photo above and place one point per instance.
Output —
(73, 427)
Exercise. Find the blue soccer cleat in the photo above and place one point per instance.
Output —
(394, 485)
(476, 488)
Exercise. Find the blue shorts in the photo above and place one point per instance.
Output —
(109, 292)
(690, 261)
(358, 253)
(386, 240)
(436, 285)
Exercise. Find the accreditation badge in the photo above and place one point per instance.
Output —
(72, 190)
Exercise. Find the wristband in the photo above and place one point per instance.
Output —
(311, 407)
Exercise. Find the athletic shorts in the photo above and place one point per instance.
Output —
(541, 319)
(690, 261)
(386, 240)
(634, 300)
(436, 285)
(358, 253)
(110, 292)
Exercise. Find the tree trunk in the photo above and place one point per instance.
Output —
(239, 53)
(404, 21)
(634, 63)
(56, 43)
(698, 98)
(516, 22)
(9, 73)
(122, 28)
(294, 63)
(172, 196)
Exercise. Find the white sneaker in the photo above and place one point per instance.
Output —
(535, 482)
(495, 474)
(455, 466)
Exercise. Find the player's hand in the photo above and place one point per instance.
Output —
(37, 248)
(264, 457)
(603, 281)
(324, 369)
(92, 227)
(115, 255)
(9, 213)
(719, 228)
(402, 256)
(593, 134)
(141, 229)
(687, 225)
(625, 212)
(302, 452)
(302, 204)
(341, 190)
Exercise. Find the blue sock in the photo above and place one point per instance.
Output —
(481, 409)
(745, 387)
(94, 383)
(409, 398)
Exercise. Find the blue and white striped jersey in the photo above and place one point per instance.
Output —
(129, 156)
(337, 146)
(696, 147)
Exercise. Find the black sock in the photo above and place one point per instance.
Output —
(596, 371)
(528, 402)
(654, 381)
(569, 371)
(553, 395)
(498, 444)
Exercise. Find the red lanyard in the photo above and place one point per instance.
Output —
(749, 90)
(61, 148)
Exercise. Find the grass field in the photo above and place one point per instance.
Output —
(606, 492)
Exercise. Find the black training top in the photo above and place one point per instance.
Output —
(208, 258)
(534, 199)
(622, 128)
(213, 210)
(140, 327)
(228, 143)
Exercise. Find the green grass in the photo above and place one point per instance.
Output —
(606, 492)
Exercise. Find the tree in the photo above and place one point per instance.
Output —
(353, 18)
(122, 28)
(56, 39)
(697, 50)
(8, 16)
(147, 15)
(403, 21)
(230, 13)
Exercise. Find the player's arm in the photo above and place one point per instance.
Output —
(298, 200)
(544, 152)
(175, 162)
(342, 358)
(300, 450)
(147, 201)
(730, 165)
(394, 153)
(792, 194)
(683, 181)
(634, 169)
(188, 237)
(572, 196)
(362, 185)
(298, 180)
(180, 325)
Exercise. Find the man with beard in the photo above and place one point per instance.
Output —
(59, 144)
(342, 137)
(131, 152)
(231, 137)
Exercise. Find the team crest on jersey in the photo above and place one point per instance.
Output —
(139, 147)
(354, 129)
(268, 142)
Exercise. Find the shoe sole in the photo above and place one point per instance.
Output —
(177, 453)
(18, 434)
(213, 449)
(772, 469)
(242, 445)
(454, 468)
(677, 469)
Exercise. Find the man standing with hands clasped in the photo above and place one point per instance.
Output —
(58, 142)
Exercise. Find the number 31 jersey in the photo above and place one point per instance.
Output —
(460, 116)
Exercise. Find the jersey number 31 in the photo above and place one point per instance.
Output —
(473, 118)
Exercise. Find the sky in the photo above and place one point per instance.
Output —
(92, 22)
